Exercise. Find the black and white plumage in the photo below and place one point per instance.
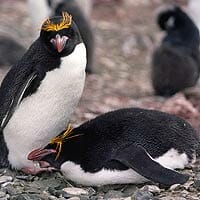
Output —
(176, 62)
(56, 7)
(40, 92)
(130, 145)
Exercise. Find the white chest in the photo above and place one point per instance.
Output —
(44, 114)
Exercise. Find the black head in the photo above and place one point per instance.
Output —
(173, 17)
(60, 35)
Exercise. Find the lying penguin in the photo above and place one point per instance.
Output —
(176, 62)
(39, 94)
(124, 146)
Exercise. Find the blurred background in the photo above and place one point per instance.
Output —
(126, 34)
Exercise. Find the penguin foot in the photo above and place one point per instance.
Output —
(36, 170)
(39, 166)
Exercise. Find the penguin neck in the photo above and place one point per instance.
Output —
(4, 163)
(38, 55)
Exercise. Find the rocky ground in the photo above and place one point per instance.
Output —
(126, 35)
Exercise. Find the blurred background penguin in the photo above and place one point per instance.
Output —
(176, 62)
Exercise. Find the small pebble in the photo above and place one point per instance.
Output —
(74, 198)
(7, 197)
(75, 191)
(188, 185)
(143, 195)
(52, 197)
(2, 194)
(113, 194)
(4, 179)
(129, 190)
(175, 187)
(25, 178)
(197, 180)
(152, 188)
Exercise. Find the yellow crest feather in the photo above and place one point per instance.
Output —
(65, 23)
(58, 140)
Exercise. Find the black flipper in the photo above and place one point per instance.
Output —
(17, 99)
(136, 157)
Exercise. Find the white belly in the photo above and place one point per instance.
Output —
(46, 113)
(74, 173)
(171, 159)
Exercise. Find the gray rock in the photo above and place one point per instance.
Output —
(61, 193)
(173, 198)
(98, 197)
(25, 178)
(75, 191)
(56, 193)
(52, 197)
(126, 198)
(13, 190)
(84, 197)
(106, 188)
(113, 194)
(143, 195)
(188, 185)
(152, 188)
(91, 191)
(5, 198)
(2, 194)
(2, 171)
(175, 187)
(45, 183)
(129, 190)
(26, 197)
(74, 198)
(4, 179)
(197, 181)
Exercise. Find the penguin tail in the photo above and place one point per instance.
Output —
(135, 157)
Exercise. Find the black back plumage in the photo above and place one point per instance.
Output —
(31, 62)
(176, 62)
(83, 24)
(105, 135)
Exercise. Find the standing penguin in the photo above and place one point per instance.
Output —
(176, 62)
(44, 8)
(39, 94)
(130, 145)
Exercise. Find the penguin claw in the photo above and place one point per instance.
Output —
(38, 154)
(35, 171)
